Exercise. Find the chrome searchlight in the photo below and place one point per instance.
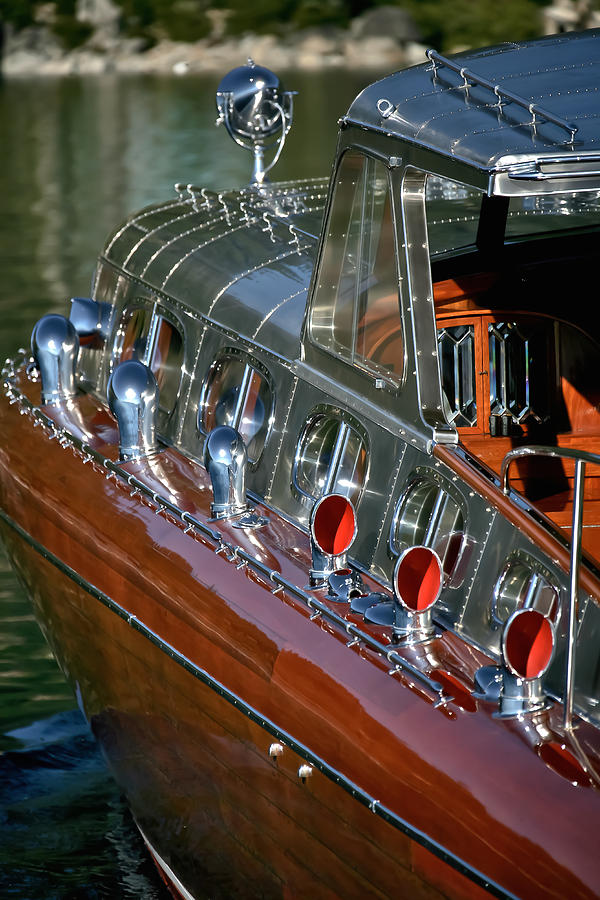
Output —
(527, 649)
(332, 531)
(55, 346)
(226, 461)
(418, 578)
(133, 401)
(256, 112)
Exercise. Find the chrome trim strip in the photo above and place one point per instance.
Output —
(201, 675)
(169, 874)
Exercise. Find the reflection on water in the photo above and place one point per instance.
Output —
(66, 832)
(76, 156)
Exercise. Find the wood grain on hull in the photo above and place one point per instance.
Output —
(195, 762)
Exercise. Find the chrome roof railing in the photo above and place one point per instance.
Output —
(581, 457)
(504, 96)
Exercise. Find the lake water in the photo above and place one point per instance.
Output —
(76, 156)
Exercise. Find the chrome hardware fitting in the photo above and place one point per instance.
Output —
(362, 602)
(305, 771)
(581, 458)
(276, 750)
(55, 345)
(418, 577)
(89, 317)
(332, 531)
(226, 461)
(527, 649)
(344, 585)
(133, 401)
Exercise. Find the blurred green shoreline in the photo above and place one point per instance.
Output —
(65, 37)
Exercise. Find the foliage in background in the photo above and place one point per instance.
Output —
(444, 24)
(19, 13)
(178, 20)
(458, 24)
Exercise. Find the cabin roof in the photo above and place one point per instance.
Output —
(240, 259)
(560, 74)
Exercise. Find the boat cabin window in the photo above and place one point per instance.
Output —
(548, 213)
(356, 310)
(452, 214)
(237, 392)
(524, 584)
(518, 361)
(166, 361)
(331, 457)
(430, 513)
(132, 333)
(154, 340)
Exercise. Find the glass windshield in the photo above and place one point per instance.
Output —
(356, 313)
(452, 214)
(552, 212)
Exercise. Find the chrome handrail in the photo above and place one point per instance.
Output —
(581, 457)
(504, 96)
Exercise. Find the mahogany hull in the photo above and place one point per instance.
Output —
(189, 668)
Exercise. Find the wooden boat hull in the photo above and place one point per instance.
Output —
(189, 668)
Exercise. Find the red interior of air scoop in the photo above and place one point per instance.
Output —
(334, 524)
(528, 643)
(418, 578)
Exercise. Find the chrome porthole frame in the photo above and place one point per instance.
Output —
(235, 353)
(423, 475)
(535, 568)
(323, 410)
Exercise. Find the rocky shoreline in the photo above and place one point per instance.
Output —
(380, 39)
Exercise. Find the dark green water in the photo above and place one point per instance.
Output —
(76, 156)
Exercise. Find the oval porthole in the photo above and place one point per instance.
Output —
(331, 457)
(429, 515)
(524, 584)
(166, 361)
(237, 392)
(132, 334)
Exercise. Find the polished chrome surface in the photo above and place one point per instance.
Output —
(503, 95)
(345, 585)
(409, 624)
(133, 400)
(331, 456)
(522, 693)
(524, 583)
(520, 696)
(225, 460)
(574, 591)
(238, 391)
(256, 111)
(90, 317)
(540, 450)
(55, 345)
(464, 127)
(431, 512)
(333, 528)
